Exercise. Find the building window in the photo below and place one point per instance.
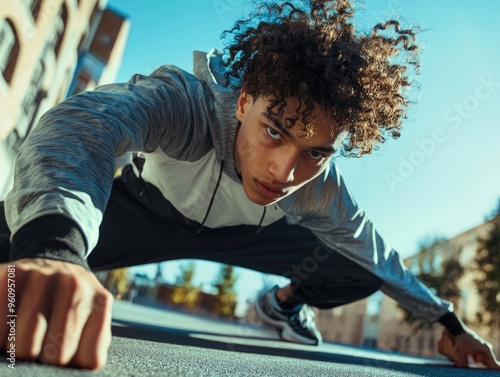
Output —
(35, 84)
(104, 39)
(432, 343)
(34, 6)
(95, 13)
(31, 101)
(82, 82)
(370, 342)
(9, 49)
(59, 26)
(420, 344)
(402, 343)
(82, 43)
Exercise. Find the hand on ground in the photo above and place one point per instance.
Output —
(63, 313)
(459, 348)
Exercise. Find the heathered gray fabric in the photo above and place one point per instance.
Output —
(66, 166)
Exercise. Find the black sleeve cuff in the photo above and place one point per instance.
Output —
(454, 325)
(53, 237)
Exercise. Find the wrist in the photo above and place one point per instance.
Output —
(50, 237)
(452, 323)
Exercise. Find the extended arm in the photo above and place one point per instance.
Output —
(62, 183)
(327, 208)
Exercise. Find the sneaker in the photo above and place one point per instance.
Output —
(296, 325)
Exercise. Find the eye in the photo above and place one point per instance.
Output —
(315, 155)
(273, 133)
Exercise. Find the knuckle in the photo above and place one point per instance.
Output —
(26, 353)
(97, 363)
(102, 302)
(57, 349)
(104, 298)
(90, 361)
(51, 354)
(65, 283)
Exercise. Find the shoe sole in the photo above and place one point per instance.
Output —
(287, 332)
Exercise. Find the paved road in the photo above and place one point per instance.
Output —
(153, 342)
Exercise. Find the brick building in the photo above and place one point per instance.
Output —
(50, 49)
(394, 334)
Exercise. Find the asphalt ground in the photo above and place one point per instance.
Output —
(153, 342)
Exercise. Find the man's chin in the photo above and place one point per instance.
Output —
(262, 200)
(256, 198)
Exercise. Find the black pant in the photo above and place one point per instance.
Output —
(140, 227)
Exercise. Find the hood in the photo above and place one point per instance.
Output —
(208, 68)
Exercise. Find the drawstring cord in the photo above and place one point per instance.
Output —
(260, 227)
(213, 197)
(200, 229)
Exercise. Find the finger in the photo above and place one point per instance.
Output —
(440, 345)
(69, 313)
(488, 359)
(478, 358)
(460, 359)
(448, 348)
(32, 314)
(96, 337)
(3, 309)
(447, 343)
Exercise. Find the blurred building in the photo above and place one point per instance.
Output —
(394, 334)
(50, 49)
(343, 324)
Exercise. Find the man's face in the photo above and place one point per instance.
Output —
(273, 161)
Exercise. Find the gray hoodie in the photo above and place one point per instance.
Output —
(184, 126)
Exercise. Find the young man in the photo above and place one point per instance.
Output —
(235, 165)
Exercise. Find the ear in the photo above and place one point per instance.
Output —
(243, 105)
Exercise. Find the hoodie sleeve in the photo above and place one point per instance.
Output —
(64, 170)
(326, 207)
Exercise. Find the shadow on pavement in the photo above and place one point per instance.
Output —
(231, 342)
(134, 352)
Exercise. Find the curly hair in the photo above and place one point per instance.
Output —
(313, 53)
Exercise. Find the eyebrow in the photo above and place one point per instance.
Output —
(284, 130)
(279, 126)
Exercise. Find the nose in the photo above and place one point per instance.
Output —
(283, 167)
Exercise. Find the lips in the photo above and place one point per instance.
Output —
(269, 191)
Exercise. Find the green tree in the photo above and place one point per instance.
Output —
(226, 295)
(496, 211)
(440, 276)
(185, 293)
(487, 263)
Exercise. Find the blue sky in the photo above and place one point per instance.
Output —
(441, 177)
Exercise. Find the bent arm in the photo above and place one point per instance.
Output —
(341, 225)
